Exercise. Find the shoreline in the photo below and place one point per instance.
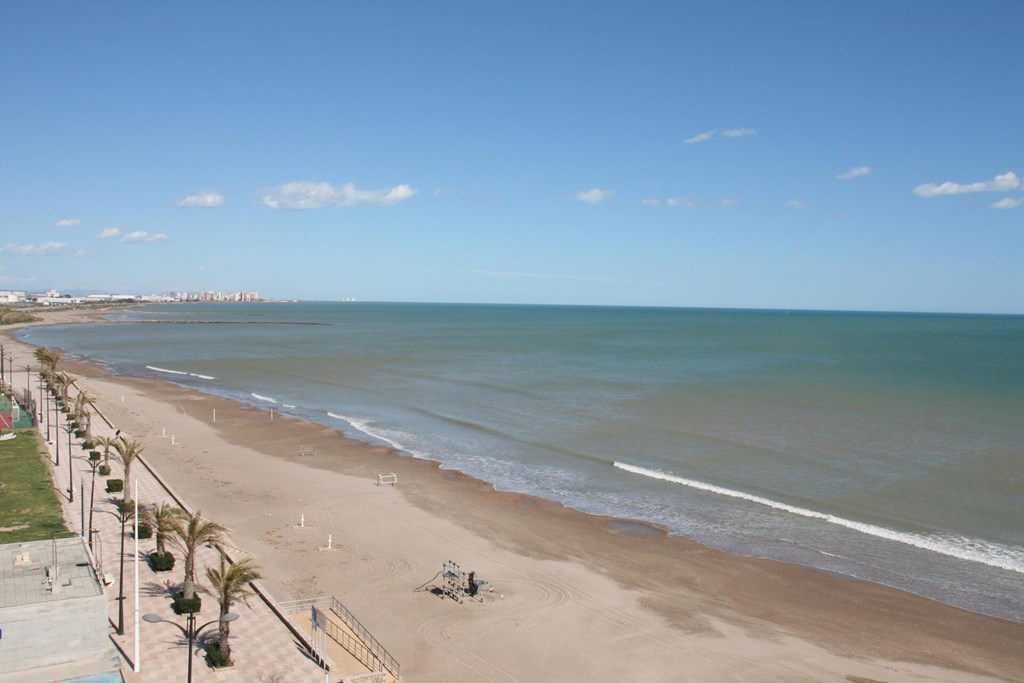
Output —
(597, 583)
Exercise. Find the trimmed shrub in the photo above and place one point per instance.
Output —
(115, 485)
(182, 605)
(79, 433)
(215, 658)
(145, 531)
(94, 456)
(162, 562)
(88, 445)
(104, 470)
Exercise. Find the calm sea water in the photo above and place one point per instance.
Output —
(882, 446)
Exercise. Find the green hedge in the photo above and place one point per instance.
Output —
(162, 562)
(115, 485)
(215, 658)
(182, 605)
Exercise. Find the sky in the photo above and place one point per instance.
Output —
(796, 155)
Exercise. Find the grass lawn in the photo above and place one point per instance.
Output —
(29, 507)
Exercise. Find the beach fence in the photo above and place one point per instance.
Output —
(360, 643)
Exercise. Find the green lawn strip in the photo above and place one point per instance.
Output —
(29, 507)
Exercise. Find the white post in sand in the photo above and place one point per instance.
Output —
(302, 521)
(214, 416)
(271, 414)
(330, 540)
(138, 664)
(122, 398)
(172, 440)
(163, 432)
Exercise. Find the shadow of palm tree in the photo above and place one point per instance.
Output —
(164, 589)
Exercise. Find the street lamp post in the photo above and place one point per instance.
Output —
(94, 463)
(123, 514)
(45, 389)
(56, 432)
(189, 631)
(39, 407)
(69, 428)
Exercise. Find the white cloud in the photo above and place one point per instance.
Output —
(1001, 183)
(306, 195)
(108, 233)
(143, 237)
(67, 223)
(855, 172)
(739, 132)
(44, 249)
(701, 137)
(729, 201)
(594, 195)
(650, 201)
(795, 204)
(204, 199)
(1007, 203)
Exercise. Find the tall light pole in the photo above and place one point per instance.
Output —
(189, 631)
(56, 432)
(123, 514)
(94, 463)
(68, 427)
(28, 382)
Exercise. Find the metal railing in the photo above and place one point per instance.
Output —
(369, 651)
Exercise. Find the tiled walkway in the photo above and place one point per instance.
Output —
(263, 648)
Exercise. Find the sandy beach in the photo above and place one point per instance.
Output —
(576, 597)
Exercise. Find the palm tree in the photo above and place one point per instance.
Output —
(107, 442)
(162, 520)
(48, 358)
(82, 412)
(64, 381)
(230, 584)
(190, 532)
(128, 451)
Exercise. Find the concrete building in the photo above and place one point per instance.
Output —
(53, 614)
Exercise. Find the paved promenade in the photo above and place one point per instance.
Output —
(262, 647)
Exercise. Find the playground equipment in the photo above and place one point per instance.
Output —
(391, 478)
(459, 585)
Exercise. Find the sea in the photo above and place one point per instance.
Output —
(882, 446)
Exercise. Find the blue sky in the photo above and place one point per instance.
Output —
(827, 155)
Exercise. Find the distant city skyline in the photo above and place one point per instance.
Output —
(789, 155)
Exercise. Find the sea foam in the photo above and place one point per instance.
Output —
(364, 427)
(172, 372)
(970, 549)
(178, 372)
